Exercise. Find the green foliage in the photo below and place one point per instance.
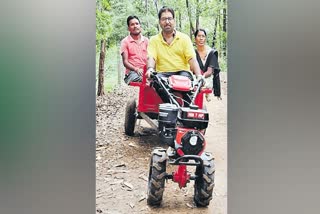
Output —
(111, 67)
(103, 19)
(111, 17)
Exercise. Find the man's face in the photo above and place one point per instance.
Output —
(134, 27)
(167, 22)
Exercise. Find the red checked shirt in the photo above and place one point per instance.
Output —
(136, 51)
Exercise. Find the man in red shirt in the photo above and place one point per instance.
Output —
(134, 51)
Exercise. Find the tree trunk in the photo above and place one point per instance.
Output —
(157, 10)
(156, 5)
(101, 68)
(180, 21)
(190, 20)
(147, 12)
(220, 35)
(197, 15)
(215, 31)
(224, 28)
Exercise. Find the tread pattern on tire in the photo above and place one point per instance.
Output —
(204, 185)
(156, 177)
(130, 117)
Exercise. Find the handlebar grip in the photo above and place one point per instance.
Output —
(153, 73)
(201, 81)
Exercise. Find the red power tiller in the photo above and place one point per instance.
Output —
(176, 103)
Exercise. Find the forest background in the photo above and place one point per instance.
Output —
(111, 28)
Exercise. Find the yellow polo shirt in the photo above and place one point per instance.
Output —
(173, 57)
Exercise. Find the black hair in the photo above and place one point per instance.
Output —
(132, 17)
(198, 30)
(164, 9)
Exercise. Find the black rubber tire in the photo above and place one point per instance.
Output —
(203, 186)
(157, 176)
(130, 117)
(204, 107)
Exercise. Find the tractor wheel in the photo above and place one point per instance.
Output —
(204, 184)
(157, 176)
(130, 117)
(204, 107)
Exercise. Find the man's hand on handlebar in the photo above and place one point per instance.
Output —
(200, 78)
(150, 72)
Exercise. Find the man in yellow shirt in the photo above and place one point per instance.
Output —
(170, 51)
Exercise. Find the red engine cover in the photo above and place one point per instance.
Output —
(180, 83)
(181, 132)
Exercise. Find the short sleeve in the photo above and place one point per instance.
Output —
(123, 47)
(152, 50)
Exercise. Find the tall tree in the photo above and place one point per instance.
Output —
(180, 21)
(198, 11)
(190, 18)
(224, 27)
(101, 67)
(103, 20)
(215, 30)
(156, 5)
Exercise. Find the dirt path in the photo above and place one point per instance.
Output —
(122, 161)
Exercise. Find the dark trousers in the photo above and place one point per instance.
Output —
(132, 76)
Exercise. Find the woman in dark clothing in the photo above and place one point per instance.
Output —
(208, 62)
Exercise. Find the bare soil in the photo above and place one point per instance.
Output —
(122, 162)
